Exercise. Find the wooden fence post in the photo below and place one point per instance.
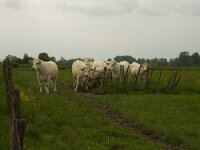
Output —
(136, 80)
(126, 74)
(18, 124)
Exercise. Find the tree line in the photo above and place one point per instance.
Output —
(183, 60)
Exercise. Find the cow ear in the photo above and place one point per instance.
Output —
(83, 68)
(31, 62)
(39, 61)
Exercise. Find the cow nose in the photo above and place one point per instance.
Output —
(86, 75)
(33, 68)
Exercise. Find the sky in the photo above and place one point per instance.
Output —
(100, 29)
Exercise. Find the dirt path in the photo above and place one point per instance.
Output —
(123, 122)
(116, 117)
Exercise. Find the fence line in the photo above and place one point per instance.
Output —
(18, 124)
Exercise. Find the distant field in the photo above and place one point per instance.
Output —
(67, 120)
(189, 83)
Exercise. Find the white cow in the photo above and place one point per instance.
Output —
(81, 74)
(125, 64)
(46, 71)
(99, 72)
(115, 68)
(134, 69)
(88, 61)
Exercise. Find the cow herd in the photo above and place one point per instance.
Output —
(87, 72)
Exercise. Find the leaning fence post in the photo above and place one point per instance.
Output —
(13, 100)
(170, 79)
(126, 74)
(136, 80)
(148, 79)
(174, 79)
(121, 73)
(175, 83)
(160, 75)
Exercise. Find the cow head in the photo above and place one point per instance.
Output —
(36, 64)
(87, 71)
(88, 61)
(112, 63)
(146, 66)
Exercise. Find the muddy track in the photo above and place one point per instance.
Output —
(125, 123)
(122, 121)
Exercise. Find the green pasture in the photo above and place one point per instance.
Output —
(67, 120)
(189, 83)
(175, 118)
(63, 120)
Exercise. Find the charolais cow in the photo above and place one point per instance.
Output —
(115, 68)
(80, 73)
(88, 61)
(141, 70)
(46, 71)
(99, 72)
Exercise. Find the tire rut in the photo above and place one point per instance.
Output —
(123, 122)
(130, 125)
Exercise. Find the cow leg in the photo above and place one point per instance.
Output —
(40, 82)
(101, 83)
(55, 84)
(77, 84)
(40, 85)
(74, 81)
(47, 84)
(47, 87)
(86, 86)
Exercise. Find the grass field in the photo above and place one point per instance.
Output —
(175, 118)
(67, 120)
(63, 120)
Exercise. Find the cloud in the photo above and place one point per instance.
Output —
(191, 8)
(113, 7)
(15, 4)
(142, 7)
(99, 8)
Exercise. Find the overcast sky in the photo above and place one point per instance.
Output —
(99, 28)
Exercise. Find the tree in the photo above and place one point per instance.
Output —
(185, 59)
(14, 60)
(53, 59)
(62, 61)
(141, 60)
(43, 56)
(127, 58)
(195, 59)
(25, 59)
